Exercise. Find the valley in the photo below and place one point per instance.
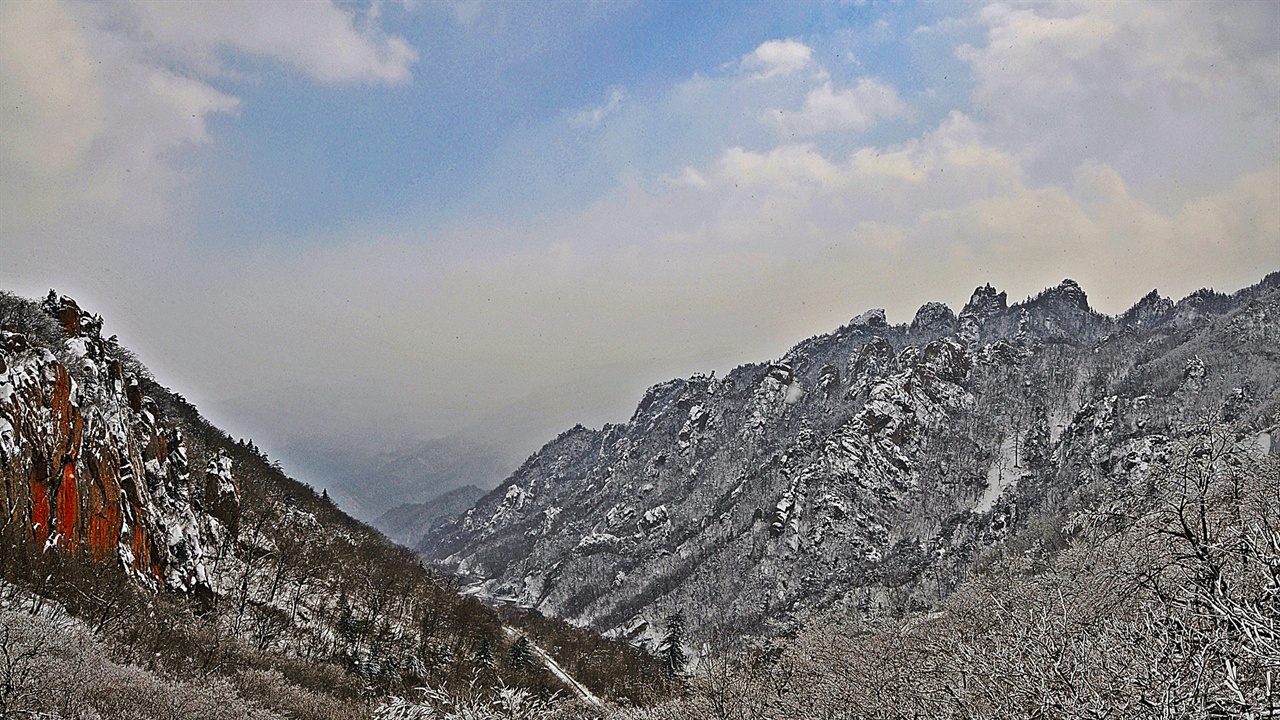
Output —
(878, 479)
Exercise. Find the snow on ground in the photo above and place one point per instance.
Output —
(578, 688)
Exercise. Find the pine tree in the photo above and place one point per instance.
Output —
(521, 654)
(671, 649)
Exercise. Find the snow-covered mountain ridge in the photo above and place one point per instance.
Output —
(866, 468)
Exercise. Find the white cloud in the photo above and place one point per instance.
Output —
(320, 39)
(190, 102)
(49, 82)
(592, 117)
(777, 57)
(755, 251)
(1170, 93)
(855, 109)
(747, 242)
(467, 12)
(87, 125)
(96, 97)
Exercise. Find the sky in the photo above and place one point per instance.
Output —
(369, 224)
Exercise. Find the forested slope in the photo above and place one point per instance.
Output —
(1156, 598)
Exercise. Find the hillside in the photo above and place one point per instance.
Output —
(143, 541)
(868, 470)
(1154, 599)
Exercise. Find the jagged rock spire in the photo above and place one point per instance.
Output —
(985, 302)
(934, 317)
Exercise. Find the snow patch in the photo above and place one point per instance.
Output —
(1264, 443)
(1002, 475)
(597, 543)
(793, 394)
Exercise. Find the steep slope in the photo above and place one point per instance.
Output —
(1155, 598)
(91, 468)
(193, 556)
(867, 468)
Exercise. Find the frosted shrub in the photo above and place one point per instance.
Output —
(506, 703)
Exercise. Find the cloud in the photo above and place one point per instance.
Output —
(98, 101)
(777, 57)
(467, 12)
(592, 117)
(320, 39)
(87, 126)
(854, 109)
(566, 319)
(1135, 83)
(50, 84)
(728, 243)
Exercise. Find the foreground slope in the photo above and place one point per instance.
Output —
(867, 469)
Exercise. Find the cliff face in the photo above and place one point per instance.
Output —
(88, 465)
(867, 468)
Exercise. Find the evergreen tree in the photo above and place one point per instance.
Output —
(521, 654)
(671, 649)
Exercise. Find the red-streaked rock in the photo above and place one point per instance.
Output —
(89, 462)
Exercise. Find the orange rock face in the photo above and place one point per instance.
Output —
(67, 517)
(79, 461)
(39, 510)
(103, 506)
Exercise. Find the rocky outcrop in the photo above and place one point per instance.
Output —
(986, 302)
(89, 467)
(1062, 312)
(1148, 312)
(873, 318)
(934, 319)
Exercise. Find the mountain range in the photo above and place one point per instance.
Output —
(868, 470)
(881, 522)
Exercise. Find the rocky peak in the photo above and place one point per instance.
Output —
(1149, 311)
(985, 302)
(74, 321)
(1070, 293)
(874, 318)
(1067, 296)
(1060, 312)
(934, 317)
